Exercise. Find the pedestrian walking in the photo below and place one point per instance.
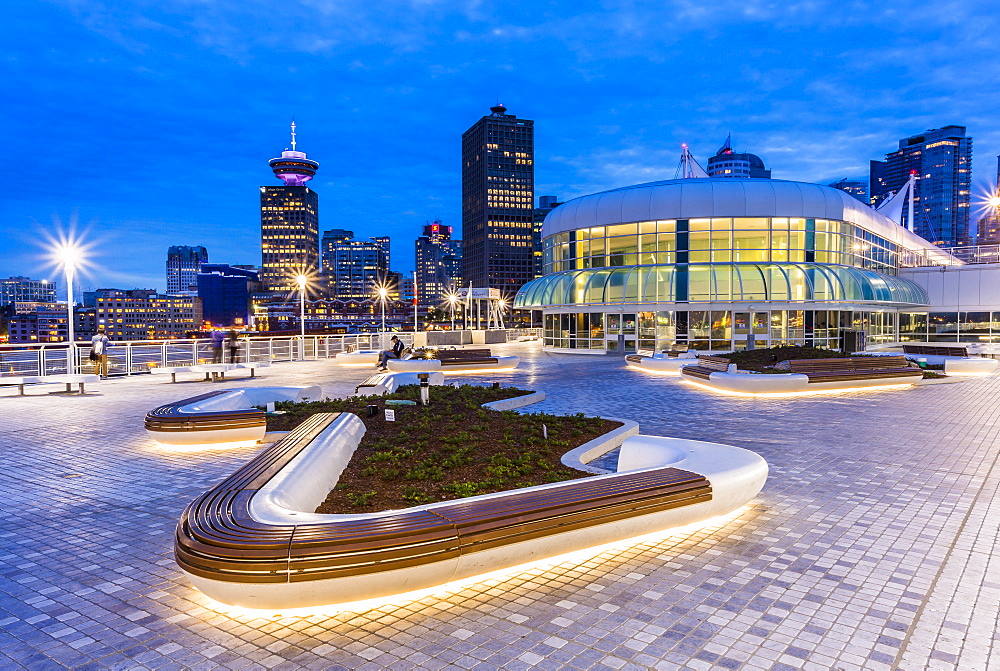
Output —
(99, 352)
(217, 338)
(234, 346)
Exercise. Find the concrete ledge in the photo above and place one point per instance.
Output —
(381, 384)
(428, 365)
(665, 365)
(361, 357)
(970, 366)
(793, 383)
(516, 402)
(579, 458)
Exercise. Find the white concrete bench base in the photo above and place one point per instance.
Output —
(20, 381)
(361, 357)
(736, 476)
(970, 366)
(429, 365)
(70, 380)
(170, 370)
(793, 383)
(388, 383)
(233, 399)
(665, 365)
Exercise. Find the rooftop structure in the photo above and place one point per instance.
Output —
(723, 264)
(729, 164)
(289, 221)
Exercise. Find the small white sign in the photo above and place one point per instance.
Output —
(390, 415)
(545, 432)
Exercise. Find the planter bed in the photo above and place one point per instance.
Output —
(451, 449)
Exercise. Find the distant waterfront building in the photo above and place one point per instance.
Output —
(26, 290)
(352, 267)
(498, 195)
(335, 315)
(142, 314)
(183, 264)
(856, 187)
(545, 205)
(439, 264)
(225, 293)
(727, 163)
(942, 160)
(48, 323)
(289, 222)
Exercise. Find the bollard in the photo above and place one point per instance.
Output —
(425, 388)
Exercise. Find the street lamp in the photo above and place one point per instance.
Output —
(452, 299)
(69, 256)
(302, 281)
(383, 293)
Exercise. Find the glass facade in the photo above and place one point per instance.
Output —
(723, 240)
(718, 330)
(694, 283)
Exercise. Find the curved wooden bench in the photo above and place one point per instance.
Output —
(853, 368)
(227, 549)
(169, 418)
(706, 366)
(184, 423)
(936, 350)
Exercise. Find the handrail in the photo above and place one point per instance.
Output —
(131, 357)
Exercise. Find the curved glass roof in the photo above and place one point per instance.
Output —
(778, 282)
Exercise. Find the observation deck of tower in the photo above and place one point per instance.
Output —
(293, 168)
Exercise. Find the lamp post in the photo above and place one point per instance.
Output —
(302, 281)
(69, 256)
(383, 293)
(452, 299)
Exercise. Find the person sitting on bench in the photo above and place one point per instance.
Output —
(394, 353)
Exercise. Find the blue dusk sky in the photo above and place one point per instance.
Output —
(148, 123)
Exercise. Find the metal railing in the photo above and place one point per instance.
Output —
(133, 357)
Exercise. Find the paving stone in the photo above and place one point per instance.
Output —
(871, 545)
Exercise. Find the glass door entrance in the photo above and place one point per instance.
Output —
(751, 330)
(620, 333)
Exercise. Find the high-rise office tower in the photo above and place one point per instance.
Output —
(498, 196)
(727, 163)
(439, 264)
(289, 222)
(183, 265)
(942, 160)
(545, 205)
(354, 267)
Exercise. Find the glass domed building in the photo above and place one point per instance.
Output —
(723, 264)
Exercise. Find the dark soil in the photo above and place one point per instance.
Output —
(451, 449)
(764, 360)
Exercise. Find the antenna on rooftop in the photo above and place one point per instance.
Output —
(293, 133)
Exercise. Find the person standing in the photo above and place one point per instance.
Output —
(217, 338)
(234, 346)
(99, 351)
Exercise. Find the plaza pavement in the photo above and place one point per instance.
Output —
(871, 545)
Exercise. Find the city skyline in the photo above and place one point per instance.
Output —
(612, 106)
